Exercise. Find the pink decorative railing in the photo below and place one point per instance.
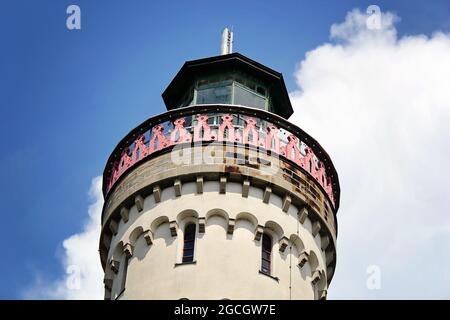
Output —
(221, 127)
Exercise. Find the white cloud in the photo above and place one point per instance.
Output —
(380, 106)
(81, 260)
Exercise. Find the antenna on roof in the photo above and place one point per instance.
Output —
(226, 46)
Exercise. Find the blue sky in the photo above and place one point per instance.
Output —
(67, 97)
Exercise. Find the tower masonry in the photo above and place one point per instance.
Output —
(220, 197)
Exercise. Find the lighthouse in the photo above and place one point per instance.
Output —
(220, 197)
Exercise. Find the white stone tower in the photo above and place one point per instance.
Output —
(220, 197)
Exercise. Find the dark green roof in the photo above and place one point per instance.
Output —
(192, 70)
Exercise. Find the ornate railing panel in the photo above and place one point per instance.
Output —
(221, 127)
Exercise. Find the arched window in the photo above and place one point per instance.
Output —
(124, 275)
(266, 253)
(189, 243)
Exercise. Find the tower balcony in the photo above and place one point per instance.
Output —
(216, 142)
